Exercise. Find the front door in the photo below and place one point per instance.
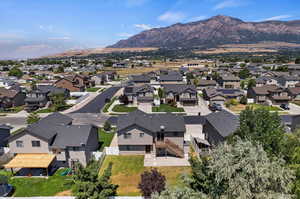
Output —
(148, 148)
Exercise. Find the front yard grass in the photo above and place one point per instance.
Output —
(121, 108)
(93, 89)
(105, 138)
(127, 170)
(13, 109)
(30, 187)
(107, 105)
(166, 108)
(240, 107)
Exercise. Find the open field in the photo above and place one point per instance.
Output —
(127, 170)
(86, 52)
(249, 48)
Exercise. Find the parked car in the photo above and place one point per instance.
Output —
(215, 107)
(285, 106)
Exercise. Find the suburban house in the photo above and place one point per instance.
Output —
(39, 97)
(139, 94)
(203, 83)
(140, 133)
(54, 136)
(288, 81)
(11, 98)
(140, 79)
(182, 93)
(294, 93)
(229, 81)
(269, 94)
(4, 134)
(265, 80)
(219, 125)
(173, 77)
(74, 83)
(104, 77)
(220, 95)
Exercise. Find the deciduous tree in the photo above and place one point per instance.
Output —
(152, 181)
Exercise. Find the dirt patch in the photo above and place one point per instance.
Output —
(64, 193)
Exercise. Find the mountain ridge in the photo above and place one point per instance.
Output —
(217, 30)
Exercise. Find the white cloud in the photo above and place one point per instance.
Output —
(60, 38)
(124, 34)
(171, 17)
(143, 26)
(199, 18)
(279, 17)
(227, 4)
(47, 28)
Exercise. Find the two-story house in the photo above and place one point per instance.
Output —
(38, 97)
(288, 81)
(74, 83)
(229, 81)
(139, 94)
(140, 133)
(182, 93)
(220, 95)
(11, 98)
(172, 77)
(269, 94)
(104, 77)
(54, 136)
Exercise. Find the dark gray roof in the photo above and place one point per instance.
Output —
(140, 78)
(47, 127)
(152, 122)
(224, 122)
(51, 89)
(171, 76)
(179, 88)
(72, 135)
(194, 119)
(5, 126)
(35, 99)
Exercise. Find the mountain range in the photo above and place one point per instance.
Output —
(212, 32)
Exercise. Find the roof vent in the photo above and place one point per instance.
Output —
(162, 127)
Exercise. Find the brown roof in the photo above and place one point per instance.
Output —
(294, 91)
(266, 89)
(8, 93)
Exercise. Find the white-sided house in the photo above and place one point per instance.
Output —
(56, 135)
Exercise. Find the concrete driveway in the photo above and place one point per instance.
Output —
(146, 107)
(202, 108)
(294, 109)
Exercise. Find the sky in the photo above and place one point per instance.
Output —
(33, 28)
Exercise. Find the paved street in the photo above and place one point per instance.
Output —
(95, 105)
(294, 109)
(16, 122)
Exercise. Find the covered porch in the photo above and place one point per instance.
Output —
(32, 165)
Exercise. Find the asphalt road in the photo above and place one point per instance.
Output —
(98, 103)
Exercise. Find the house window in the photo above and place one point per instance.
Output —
(20, 144)
(36, 143)
(127, 135)
(142, 135)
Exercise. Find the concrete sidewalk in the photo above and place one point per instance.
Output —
(150, 161)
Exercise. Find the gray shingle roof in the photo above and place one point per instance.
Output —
(224, 122)
(72, 136)
(152, 122)
(171, 76)
(179, 88)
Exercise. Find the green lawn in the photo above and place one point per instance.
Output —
(51, 110)
(123, 108)
(13, 109)
(105, 138)
(29, 187)
(269, 108)
(93, 89)
(107, 105)
(126, 172)
(166, 108)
